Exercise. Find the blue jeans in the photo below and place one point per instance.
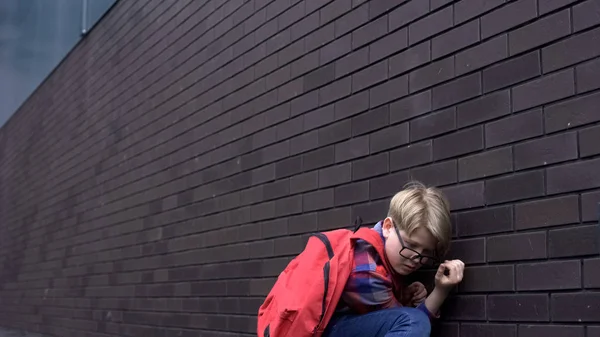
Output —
(400, 322)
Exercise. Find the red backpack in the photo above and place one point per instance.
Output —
(306, 293)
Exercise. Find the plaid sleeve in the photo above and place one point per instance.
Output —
(368, 289)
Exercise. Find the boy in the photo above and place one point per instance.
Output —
(416, 230)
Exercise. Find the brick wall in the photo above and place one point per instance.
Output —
(171, 166)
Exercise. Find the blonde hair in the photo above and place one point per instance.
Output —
(417, 205)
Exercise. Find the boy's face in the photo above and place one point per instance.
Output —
(406, 253)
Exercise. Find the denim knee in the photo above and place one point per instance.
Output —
(417, 319)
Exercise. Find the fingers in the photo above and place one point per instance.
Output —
(456, 268)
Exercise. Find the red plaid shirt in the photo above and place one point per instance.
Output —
(370, 285)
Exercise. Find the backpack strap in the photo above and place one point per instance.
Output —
(372, 237)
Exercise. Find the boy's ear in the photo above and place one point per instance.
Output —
(387, 227)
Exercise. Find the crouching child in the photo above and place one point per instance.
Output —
(353, 283)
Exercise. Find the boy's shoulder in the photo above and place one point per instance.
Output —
(366, 258)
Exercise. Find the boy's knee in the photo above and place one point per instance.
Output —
(417, 320)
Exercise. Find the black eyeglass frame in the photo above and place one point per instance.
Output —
(430, 261)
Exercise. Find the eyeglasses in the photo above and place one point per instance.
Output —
(412, 254)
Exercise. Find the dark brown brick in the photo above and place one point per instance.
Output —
(288, 167)
(575, 308)
(351, 62)
(388, 91)
(349, 22)
(547, 212)
(276, 189)
(370, 166)
(352, 105)
(557, 275)
(433, 124)
(370, 120)
(522, 307)
(487, 107)
(586, 76)
(388, 185)
(577, 241)
(551, 5)
(318, 117)
(369, 32)
(481, 55)
(388, 45)
(303, 223)
(550, 330)
(365, 78)
(465, 307)
(353, 148)
(431, 25)
(488, 279)
(590, 206)
(591, 273)
(545, 90)
(516, 247)
(409, 59)
(410, 156)
(507, 17)
(411, 106)
(573, 177)
(333, 133)
(515, 187)
(586, 14)
(317, 200)
(572, 113)
(456, 91)
(304, 182)
(351, 193)
(388, 138)
(512, 71)
(305, 103)
(466, 10)
(445, 329)
(335, 49)
(335, 91)
(334, 9)
(274, 228)
(488, 330)
(408, 12)
(458, 38)
(465, 195)
(334, 218)
(593, 331)
(574, 49)
(485, 221)
(335, 175)
(438, 174)
(468, 250)
(372, 212)
(546, 151)
(545, 30)
(432, 74)
(458, 143)
(514, 128)
(378, 7)
(305, 64)
(321, 157)
(435, 4)
(486, 164)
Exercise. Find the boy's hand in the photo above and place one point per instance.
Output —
(449, 274)
(416, 293)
